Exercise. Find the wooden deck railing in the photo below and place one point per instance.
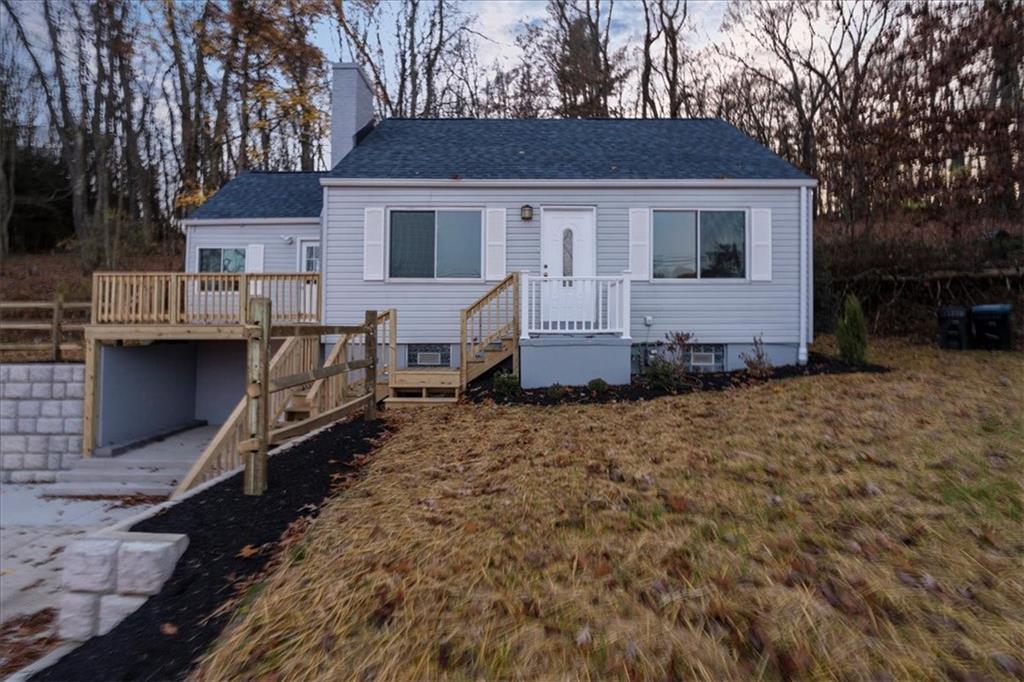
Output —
(202, 297)
(491, 318)
(53, 327)
(293, 373)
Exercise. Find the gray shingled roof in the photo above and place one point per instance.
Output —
(265, 194)
(669, 149)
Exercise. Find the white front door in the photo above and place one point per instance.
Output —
(568, 250)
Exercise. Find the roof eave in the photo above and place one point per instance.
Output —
(723, 183)
(199, 222)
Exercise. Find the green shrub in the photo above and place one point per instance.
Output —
(663, 375)
(598, 386)
(556, 391)
(506, 386)
(852, 332)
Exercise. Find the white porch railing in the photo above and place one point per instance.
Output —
(575, 305)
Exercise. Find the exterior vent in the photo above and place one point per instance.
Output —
(702, 359)
(431, 358)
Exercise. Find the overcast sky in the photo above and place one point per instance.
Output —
(499, 21)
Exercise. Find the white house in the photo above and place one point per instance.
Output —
(621, 230)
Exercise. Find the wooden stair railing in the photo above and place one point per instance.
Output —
(296, 355)
(325, 391)
(490, 330)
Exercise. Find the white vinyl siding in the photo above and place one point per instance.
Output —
(724, 311)
(278, 255)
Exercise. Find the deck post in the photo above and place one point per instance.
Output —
(463, 351)
(524, 306)
(258, 398)
(517, 319)
(55, 332)
(393, 343)
(626, 309)
(174, 315)
(243, 298)
(371, 371)
(90, 408)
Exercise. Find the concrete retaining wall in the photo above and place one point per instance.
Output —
(109, 575)
(40, 420)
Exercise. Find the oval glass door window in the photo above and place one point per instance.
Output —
(567, 253)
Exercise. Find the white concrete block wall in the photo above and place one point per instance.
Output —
(40, 420)
(109, 575)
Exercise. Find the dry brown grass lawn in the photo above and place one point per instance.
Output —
(857, 526)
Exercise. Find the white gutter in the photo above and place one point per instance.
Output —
(199, 222)
(802, 353)
(554, 182)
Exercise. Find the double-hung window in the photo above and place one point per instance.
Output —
(443, 244)
(699, 244)
(222, 260)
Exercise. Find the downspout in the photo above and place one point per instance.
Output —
(802, 352)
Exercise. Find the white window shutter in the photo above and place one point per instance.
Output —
(373, 244)
(494, 263)
(639, 243)
(254, 258)
(761, 244)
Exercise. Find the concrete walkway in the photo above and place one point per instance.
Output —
(152, 469)
(34, 530)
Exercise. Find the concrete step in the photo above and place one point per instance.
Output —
(159, 477)
(105, 463)
(79, 489)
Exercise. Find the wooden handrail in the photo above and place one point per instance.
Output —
(294, 372)
(492, 317)
(221, 454)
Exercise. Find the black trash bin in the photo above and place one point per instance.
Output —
(992, 326)
(954, 327)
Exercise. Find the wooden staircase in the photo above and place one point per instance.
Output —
(489, 336)
(309, 395)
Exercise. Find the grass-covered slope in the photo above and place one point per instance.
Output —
(855, 526)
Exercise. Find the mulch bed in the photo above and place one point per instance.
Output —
(483, 389)
(232, 538)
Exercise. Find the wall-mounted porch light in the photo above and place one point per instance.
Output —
(526, 212)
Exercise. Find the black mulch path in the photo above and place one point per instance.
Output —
(219, 522)
(483, 388)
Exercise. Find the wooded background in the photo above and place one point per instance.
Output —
(118, 117)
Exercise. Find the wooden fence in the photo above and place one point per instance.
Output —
(54, 322)
(293, 374)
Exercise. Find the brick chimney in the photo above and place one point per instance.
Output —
(351, 107)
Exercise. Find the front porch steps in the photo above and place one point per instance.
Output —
(493, 355)
(424, 385)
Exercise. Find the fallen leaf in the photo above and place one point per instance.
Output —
(248, 551)
(169, 629)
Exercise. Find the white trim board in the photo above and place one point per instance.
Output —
(582, 184)
(246, 222)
